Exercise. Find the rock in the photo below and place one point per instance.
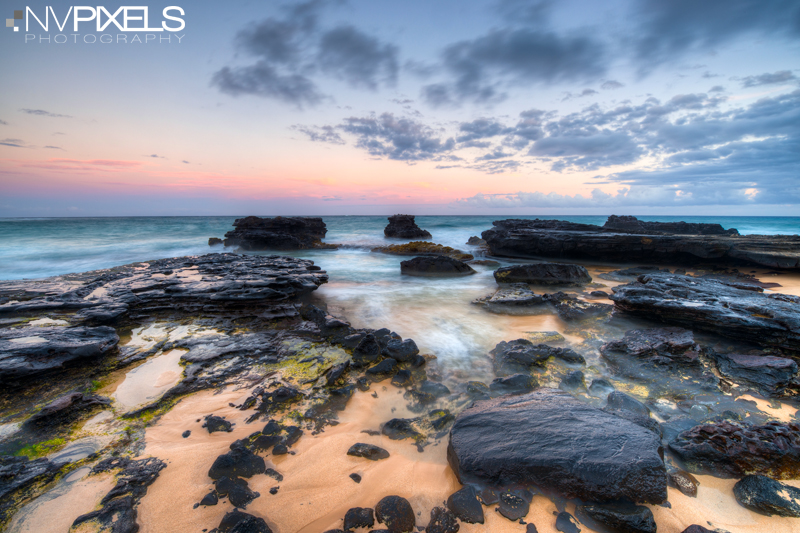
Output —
(600, 388)
(771, 376)
(707, 304)
(514, 298)
(475, 241)
(280, 449)
(400, 428)
(658, 347)
(239, 462)
(767, 496)
(18, 475)
(215, 423)
(598, 294)
(566, 523)
(516, 384)
(26, 352)
(465, 505)
(239, 522)
(629, 224)
(274, 474)
(493, 442)
(521, 355)
(514, 505)
(422, 248)
(382, 370)
(563, 240)
(367, 351)
(367, 451)
(574, 381)
(66, 409)
(697, 529)
(237, 491)
(485, 262)
(544, 274)
(396, 513)
(731, 450)
(210, 499)
(437, 390)
(279, 233)
(620, 400)
(434, 266)
(358, 517)
(186, 434)
(442, 521)
(624, 518)
(402, 351)
(630, 274)
(274, 490)
(404, 227)
(214, 241)
(531, 528)
(402, 378)
(570, 308)
(355, 477)
(293, 434)
(683, 481)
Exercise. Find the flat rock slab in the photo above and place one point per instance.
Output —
(772, 376)
(708, 304)
(548, 439)
(544, 274)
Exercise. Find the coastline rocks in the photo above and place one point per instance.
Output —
(767, 496)
(621, 517)
(661, 245)
(708, 304)
(511, 299)
(629, 224)
(519, 356)
(771, 376)
(435, 266)
(476, 241)
(658, 347)
(396, 513)
(367, 451)
(730, 450)
(239, 522)
(403, 351)
(420, 248)
(28, 351)
(465, 505)
(214, 241)
(544, 274)
(279, 233)
(495, 442)
(18, 475)
(404, 227)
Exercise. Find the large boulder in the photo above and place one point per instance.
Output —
(655, 243)
(435, 266)
(544, 274)
(709, 304)
(764, 495)
(549, 439)
(772, 376)
(279, 233)
(404, 227)
(731, 450)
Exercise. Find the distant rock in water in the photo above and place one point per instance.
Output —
(279, 233)
(572, 449)
(630, 224)
(214, 241)
(423, 248)
(626, 240)
(404, 227)
(475, 241)
(435, 265)
(544, 274)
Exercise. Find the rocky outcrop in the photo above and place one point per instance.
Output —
(496, 442)
(662, 245)
(404, 227)
(521, 355)
(513, 298)
(279, 233)
(657, 348)
(733, 450)
(707, 304)
(771, 376)
(435, 266)
(544, 274)
(18, 477)
(629, 224)
(421, 248)
(767, 496)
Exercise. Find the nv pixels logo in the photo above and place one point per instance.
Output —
(12, 23)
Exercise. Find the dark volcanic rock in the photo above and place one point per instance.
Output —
(558, 239)
(570, 308)
(404, 227)
(620, 400)
(475, 241)
(514, 298)
(442, 521)
(674, 347)
(465, 505)
(708, 304)
(239, 522)
(730, 450)
(367, 451)
(622, 518)
(214, 241)
(237, 462)
(435, 265)
(514, 505)
(629, 224)
(574, 381)
(767, 496)
(543, 274)
(566, 523)
(367, 351)
(217, 423)
(770, 375)
(237, 491)
(400, 428)
(516, 384)
(519, 356)
(279, 233)
(358, 517)
(382, 370)
(396, 513)
(494, 442)
(697, 529)
(28, 351)
(401, 350)
(66, 409)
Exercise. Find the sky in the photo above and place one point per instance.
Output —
(349, 107)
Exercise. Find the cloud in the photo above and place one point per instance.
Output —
(525, 12)
(400, 139)
(782, 76)
(156, 156)
(13, 143)
(3, 123)
(359, 59)
(481, 128)
(261, 79)
(43, 113)
(185, 162)
(585, 92)
(717, 89)
(611, 84)
(54, 147)
(669, 30)
(480, 68)
(326, 134)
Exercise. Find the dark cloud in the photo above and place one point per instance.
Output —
(54, 147)
(262, 79)
(611, 84)
(3, 123)
(670, 29)
(401, 139)
(717, 89)
(585, 92)
(481, 128)
(708, 75)
(185, 162)
(326, 134)
(480, 67)
(14, 143)
(782, 76)
(43, 113)
(156, 156)
(359, 59)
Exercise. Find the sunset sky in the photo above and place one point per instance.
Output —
(427, 107)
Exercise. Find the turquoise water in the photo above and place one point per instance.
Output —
(41, 247)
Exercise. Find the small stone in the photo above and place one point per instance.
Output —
(280, 449)
(216, 423)
(367, 451)
(684, 482)
(186, 434)
(355, 477)
(274, 490)
(465, 505)
(210, 499)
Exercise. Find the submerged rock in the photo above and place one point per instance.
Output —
(404, 227)
(494, 442)
(515, 298)
(570, 308)
(279, 233)
(435, 265)
(767, 496)
(544, 274)
(707, 304)
(396, 513)
(657, 346)
(731, 450)
(521, 355)
(516, 384)
(214, 241)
